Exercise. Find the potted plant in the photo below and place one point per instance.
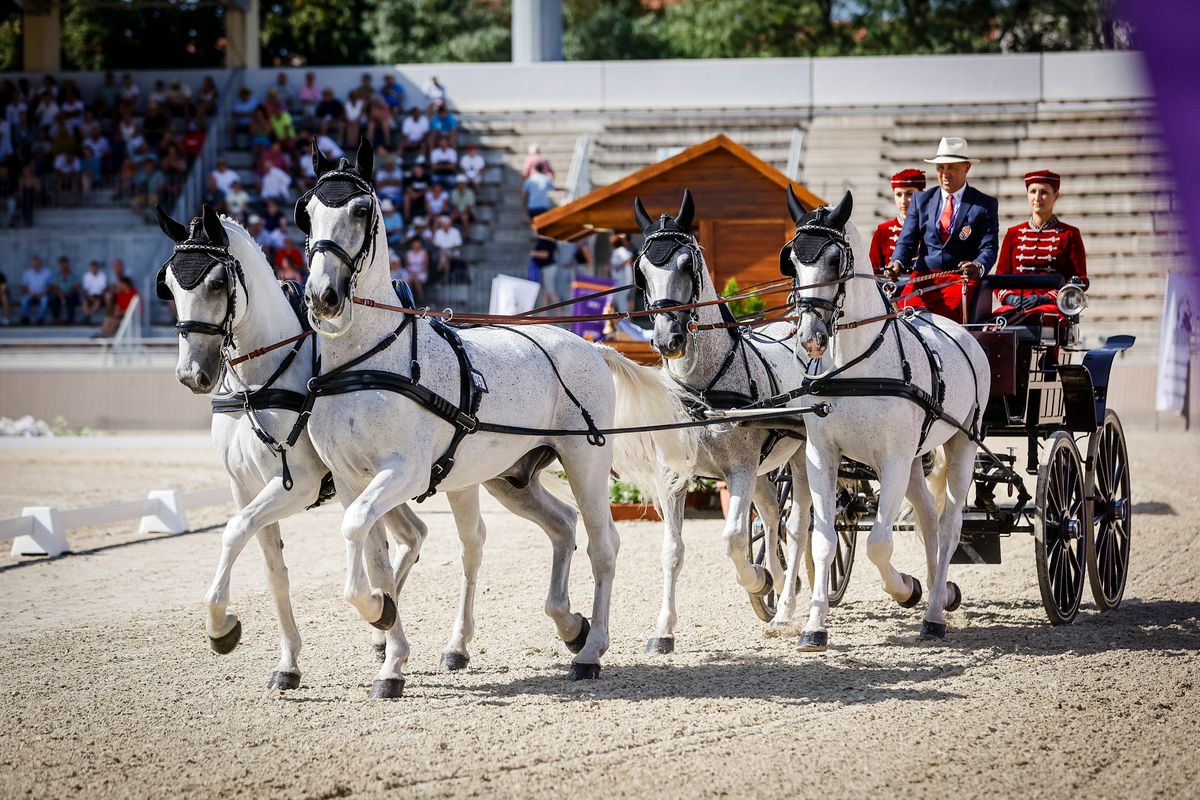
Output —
(747, 305)
(627, 503)
(703, 495)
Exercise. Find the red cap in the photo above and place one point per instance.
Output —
(1045, 176)
(907, 178)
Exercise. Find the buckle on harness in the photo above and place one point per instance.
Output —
(908, 312)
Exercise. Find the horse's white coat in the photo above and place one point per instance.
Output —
(883, 432)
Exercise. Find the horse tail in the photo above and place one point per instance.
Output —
(645, 396)
(937, 478)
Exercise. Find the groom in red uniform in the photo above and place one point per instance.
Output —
(905, 184)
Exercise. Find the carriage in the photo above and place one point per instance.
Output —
(1052, 393)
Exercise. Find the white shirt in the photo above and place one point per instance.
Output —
(449, 239)
(66, 163)
(276, 183)
(354, 109)
(436, 204)
(94, 283)
(442, 155)
(99, 146)
(622, 272)
(329, 147)
(957, 204)
(225, 178)
(472, 166)
(415, 129)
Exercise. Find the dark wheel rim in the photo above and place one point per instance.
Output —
(1112, 512)
(846, 525)
(1061, 531)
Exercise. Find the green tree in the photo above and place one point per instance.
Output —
(750, 28)
(316, 32)
(595, 30)
(406, 31)
(103, 36)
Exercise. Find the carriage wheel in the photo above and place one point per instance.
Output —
(1061, 529)
(1109, 533)
(764, 605)
(846, 525)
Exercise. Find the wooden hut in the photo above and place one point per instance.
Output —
(741, 210)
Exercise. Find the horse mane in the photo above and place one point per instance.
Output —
(237, 227)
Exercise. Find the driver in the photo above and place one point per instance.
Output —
(1041, 245)
(951, 227)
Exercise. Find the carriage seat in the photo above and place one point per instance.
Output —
(981, 306)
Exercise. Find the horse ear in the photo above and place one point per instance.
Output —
(364, 160)
(213, 227)
(174, 230)
(321, 164)
(794, 207)
(687, 210)
(841, 213)
(639, 213)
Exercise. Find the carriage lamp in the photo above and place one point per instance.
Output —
(1071, 300)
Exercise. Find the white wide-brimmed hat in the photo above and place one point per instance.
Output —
(951, 150)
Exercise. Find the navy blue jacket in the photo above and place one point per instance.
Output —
(974, 235)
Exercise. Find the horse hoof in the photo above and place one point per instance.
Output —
(454, 661)
(813, 641)
(955, 599)
(576, 644)
(380, 651)
(388, 618)
(915, 597)
(660, 645)
(222, 645)
(284, 681)
(387, 689)
(933, 631)
(584, 672)
(768, 583)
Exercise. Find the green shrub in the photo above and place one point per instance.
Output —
(745, 306)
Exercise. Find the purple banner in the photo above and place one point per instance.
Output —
(583, 286)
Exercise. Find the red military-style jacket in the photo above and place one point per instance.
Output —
(884, 242)
(1054, 247)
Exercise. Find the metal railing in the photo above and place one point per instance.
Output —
(579, 178)
(795, 155)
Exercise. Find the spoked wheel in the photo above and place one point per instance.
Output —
(1109, 533)
(845, 522)
(764, 605)
(1061, 529)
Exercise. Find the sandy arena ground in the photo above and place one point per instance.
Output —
(108, 688)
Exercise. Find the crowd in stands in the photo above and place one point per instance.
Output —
(426, 179)
(57, 147)
(60, 297)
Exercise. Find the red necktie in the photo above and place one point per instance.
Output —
(947, 217)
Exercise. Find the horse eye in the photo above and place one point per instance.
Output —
(360, 211)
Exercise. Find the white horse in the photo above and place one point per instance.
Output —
(864, 355)
(397, 433)
(721, 368)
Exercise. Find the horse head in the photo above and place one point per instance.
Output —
(818, 259)
(340, 216)
(668, 271)
(202, 278)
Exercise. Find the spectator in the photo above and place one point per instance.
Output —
(533, 158)
(356, 115)
(226, 177)
(242, 113)
(535, 191)
(122, 296)
(415, 129)
(331, 113)
(443, 159)
(472, 165)
(288, 252)
(192, 139)
(260, 129)
(283, 129)
(542, 266)
(94, 287)
(5, 303)
(46, 111)
(620, 265)
(416, 264)
(109, 95)
(396, 266)
(28, 190)
(379, 121)
(420, 230)
(130, 93)
(283, 92)
(148, 187)
(366, 88)
(272, 215)
(437, 201)
(174, 169)
(154, 124)
(237, 200)
(64, 293)
(434, 91)
(274, 155)
(95, 140)
(310, 94)
(206, 98)
(414, 195)
(72, 108)
(212, 195)
(158, 95)
(389, 179)
(269, 241)
(178, 99)
(445, 123)
(92, 169)
(276, 184)
(329, 147)
(393, 222)
(35, 285)
(68, 177)
(448, 241)
(392, 93)
(462, 204)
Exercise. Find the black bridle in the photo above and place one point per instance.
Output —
(191, 277)
(806, 246)
(332, 190)
(659, 248)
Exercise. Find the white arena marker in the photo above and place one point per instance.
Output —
(47, 537)
(171, 516)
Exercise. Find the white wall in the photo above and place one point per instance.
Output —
(799, 83)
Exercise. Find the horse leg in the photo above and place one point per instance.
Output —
(471, 534)
(379, 569)
(287, 672)
(821, 469)
(923, 506)
(893, 480)
(672, 507)
(587, 473)
(753, 578)
(960, 467)
(797, 540)
(766, 503)
(557, 519)
(408, 531)
(266, 507)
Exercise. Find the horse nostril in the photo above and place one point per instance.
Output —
(202, 378)
(329, 297)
